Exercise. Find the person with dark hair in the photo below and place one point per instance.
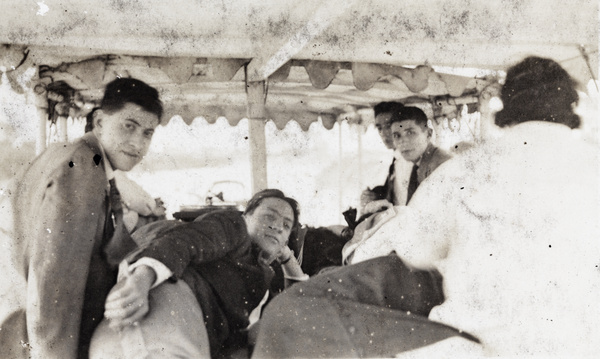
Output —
(123, 91)
(383, 112)
(275, 193)
(139, 208)
(412, 138)
(406, 127)
(67, 220)
(393, 191)
(89, 120)
(221, 264)
(531, 80)
(511, 225)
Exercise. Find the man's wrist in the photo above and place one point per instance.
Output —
(161, 271)
(146, 275)
(286, 253)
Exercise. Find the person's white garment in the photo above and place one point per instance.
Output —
(137, 202)
(361, 241)
(513, 226)
(400, 180)
(402, 171)
(135, 197)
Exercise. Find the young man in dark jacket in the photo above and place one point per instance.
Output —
(224, 257)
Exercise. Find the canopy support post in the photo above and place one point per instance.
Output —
(340, 172)
(360, 157)
(257, 95)
(62, 110)
(61, 125)
(41, 104)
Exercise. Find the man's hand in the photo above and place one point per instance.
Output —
(160, 209)
(290, 266)
(127, 302)
(285, 254)
(377, 206)
(365, 197)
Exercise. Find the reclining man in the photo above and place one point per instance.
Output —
(221, 264)
(512, 225)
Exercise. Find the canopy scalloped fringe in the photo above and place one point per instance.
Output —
(304, 122)
(213, 88)
(279, 124)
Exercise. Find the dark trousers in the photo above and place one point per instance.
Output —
(375, 308)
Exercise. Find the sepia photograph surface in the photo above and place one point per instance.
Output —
(272, 179)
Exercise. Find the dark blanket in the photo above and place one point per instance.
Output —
(376, 308)
(322, 248)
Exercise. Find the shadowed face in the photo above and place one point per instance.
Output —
(382, 124)
(125, 135)
(270, 225)
(410, 139)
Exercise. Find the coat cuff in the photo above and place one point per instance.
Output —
(162, 271)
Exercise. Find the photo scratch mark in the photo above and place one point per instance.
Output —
(43, 10)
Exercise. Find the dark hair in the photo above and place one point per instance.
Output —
(275, 193)
(126, 90)
(410, 113)
(387, 107)
(538, 89)
(89, 120)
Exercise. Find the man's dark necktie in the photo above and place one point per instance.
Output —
(389, 183)
(413, 183)
(120, 242)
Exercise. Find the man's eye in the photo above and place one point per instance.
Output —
(148, 134)
(129, 126)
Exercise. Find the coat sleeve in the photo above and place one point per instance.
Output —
(211, 238)
(69, 218)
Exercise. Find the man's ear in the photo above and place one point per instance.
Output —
(98, 116)
(429, 131)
